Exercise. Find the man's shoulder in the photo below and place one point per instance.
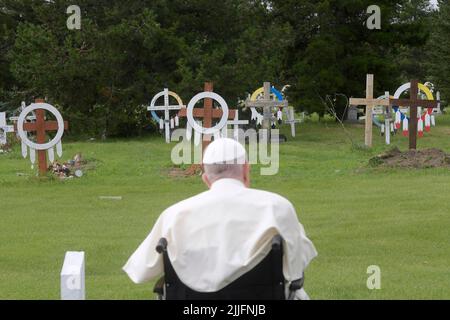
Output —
(187, 203)
(253, 197)
(251, 193)
(270, 197)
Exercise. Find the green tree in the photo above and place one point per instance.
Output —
(126, 51)
(440, 50)
(101, 75)
(334, 50)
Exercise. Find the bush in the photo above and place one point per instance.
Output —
(313, 117)
(328, 118)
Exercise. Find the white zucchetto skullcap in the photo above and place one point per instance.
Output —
(224, 151)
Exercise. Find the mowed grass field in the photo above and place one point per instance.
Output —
(356, 215)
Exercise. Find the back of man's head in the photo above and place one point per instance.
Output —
(225, 159)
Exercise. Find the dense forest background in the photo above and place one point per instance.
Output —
(126, 51)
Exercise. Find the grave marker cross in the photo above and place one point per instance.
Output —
(369, 102)
(266, 103)
(208, 113)
(41, 127)
(413, 103)
(291, 120)
(4, 128)
(166, 108)
(236, 123)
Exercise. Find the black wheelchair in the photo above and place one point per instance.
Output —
(263, 282)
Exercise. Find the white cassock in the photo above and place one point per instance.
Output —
(218, 235)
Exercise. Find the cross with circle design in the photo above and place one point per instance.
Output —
(166, 108)
(208, 113)
(266, 103)
(41, 127)
(413, 103)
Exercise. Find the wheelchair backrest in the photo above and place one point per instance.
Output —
(264, 282)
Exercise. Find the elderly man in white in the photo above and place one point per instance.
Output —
(218, 235)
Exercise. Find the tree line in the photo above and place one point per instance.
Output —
(102, 75)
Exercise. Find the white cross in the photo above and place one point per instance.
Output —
(291, 120)
(236, 122)
(4, 128)
(166, 108)
(30, 118)
(22, 107)
(438, 98)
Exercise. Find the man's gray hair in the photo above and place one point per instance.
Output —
(215, 172)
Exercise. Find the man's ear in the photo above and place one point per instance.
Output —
(206, 180)
(247, 170)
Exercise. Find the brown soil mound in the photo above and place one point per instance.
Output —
(193, 170)
(5, 148)
(428, 158)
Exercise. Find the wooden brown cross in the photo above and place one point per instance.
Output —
(41, 127)
(208, 113)
(369, 102)
(413, 102)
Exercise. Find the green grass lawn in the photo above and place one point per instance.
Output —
(357, 216)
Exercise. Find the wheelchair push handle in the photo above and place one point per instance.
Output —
(162, 245)
(277, 242)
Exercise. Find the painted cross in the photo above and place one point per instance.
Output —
(267, 104)
(208, 113)
(369, 102)
(236, 123)
(167, 123)
(4, 128)
(413, 103)
(41, 127)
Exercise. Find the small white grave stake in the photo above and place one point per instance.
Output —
(72, 277)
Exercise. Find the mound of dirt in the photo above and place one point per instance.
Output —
(427, 158)
(5, 148)
(193, 170)
(75, 167)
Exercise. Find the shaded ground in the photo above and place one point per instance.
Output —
(427, 158)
